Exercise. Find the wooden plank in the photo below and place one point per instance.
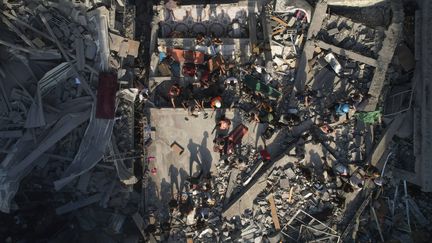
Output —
(279, 21)
(274, 212)
(276, 32)
(290, 195)
(176, 148)
(124, 48)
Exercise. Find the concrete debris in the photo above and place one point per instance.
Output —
(71, 206)
(48, 130)
(90, 152)
(214, 121)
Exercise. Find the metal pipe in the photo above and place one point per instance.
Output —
(377, 223)
(406, 205)
(385, 164)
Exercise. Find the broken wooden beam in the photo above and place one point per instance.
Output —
(279, 21)
(274, 214)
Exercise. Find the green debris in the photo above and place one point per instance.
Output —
(368, 117)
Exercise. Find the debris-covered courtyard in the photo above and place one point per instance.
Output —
(215, 121)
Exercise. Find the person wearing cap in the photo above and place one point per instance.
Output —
(342, 109)
(337, 111)
(217, 41)
(216, 102)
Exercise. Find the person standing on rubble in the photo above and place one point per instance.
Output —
(216, 102)
(195, 181)
(326, 128)
(340, 109)
(193, 108)
(173, 93)
(359, 101)
(262, 117)
(223, 124)
(186, 204)
(231, 81)
(200, 40)
(203, 77)
(219, 145)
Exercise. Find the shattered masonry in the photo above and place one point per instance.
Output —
(215, 121)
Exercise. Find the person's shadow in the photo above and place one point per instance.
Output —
(205, 155)
(173, 173)
(193, 150)
(199, 10)
(165, 197)
(183, 177)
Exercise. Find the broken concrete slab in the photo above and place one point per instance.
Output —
(91, 151)
(349, 54)
(71, 206)
(123, 46)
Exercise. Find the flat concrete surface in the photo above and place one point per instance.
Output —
(195, 136)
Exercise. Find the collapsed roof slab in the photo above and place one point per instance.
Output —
(12, 171)
(385, 55)
(315, 26)
(349, 54)
(245, 199)
(423, 108)
(92, 148)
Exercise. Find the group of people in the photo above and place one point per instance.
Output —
(326, 115)
(193, 205)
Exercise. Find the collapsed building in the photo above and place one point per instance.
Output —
(192, 121)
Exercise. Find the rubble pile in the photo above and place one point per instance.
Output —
(326, 170)
(287, 39)
(67, 137)
(343, 32)
(236, 121)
